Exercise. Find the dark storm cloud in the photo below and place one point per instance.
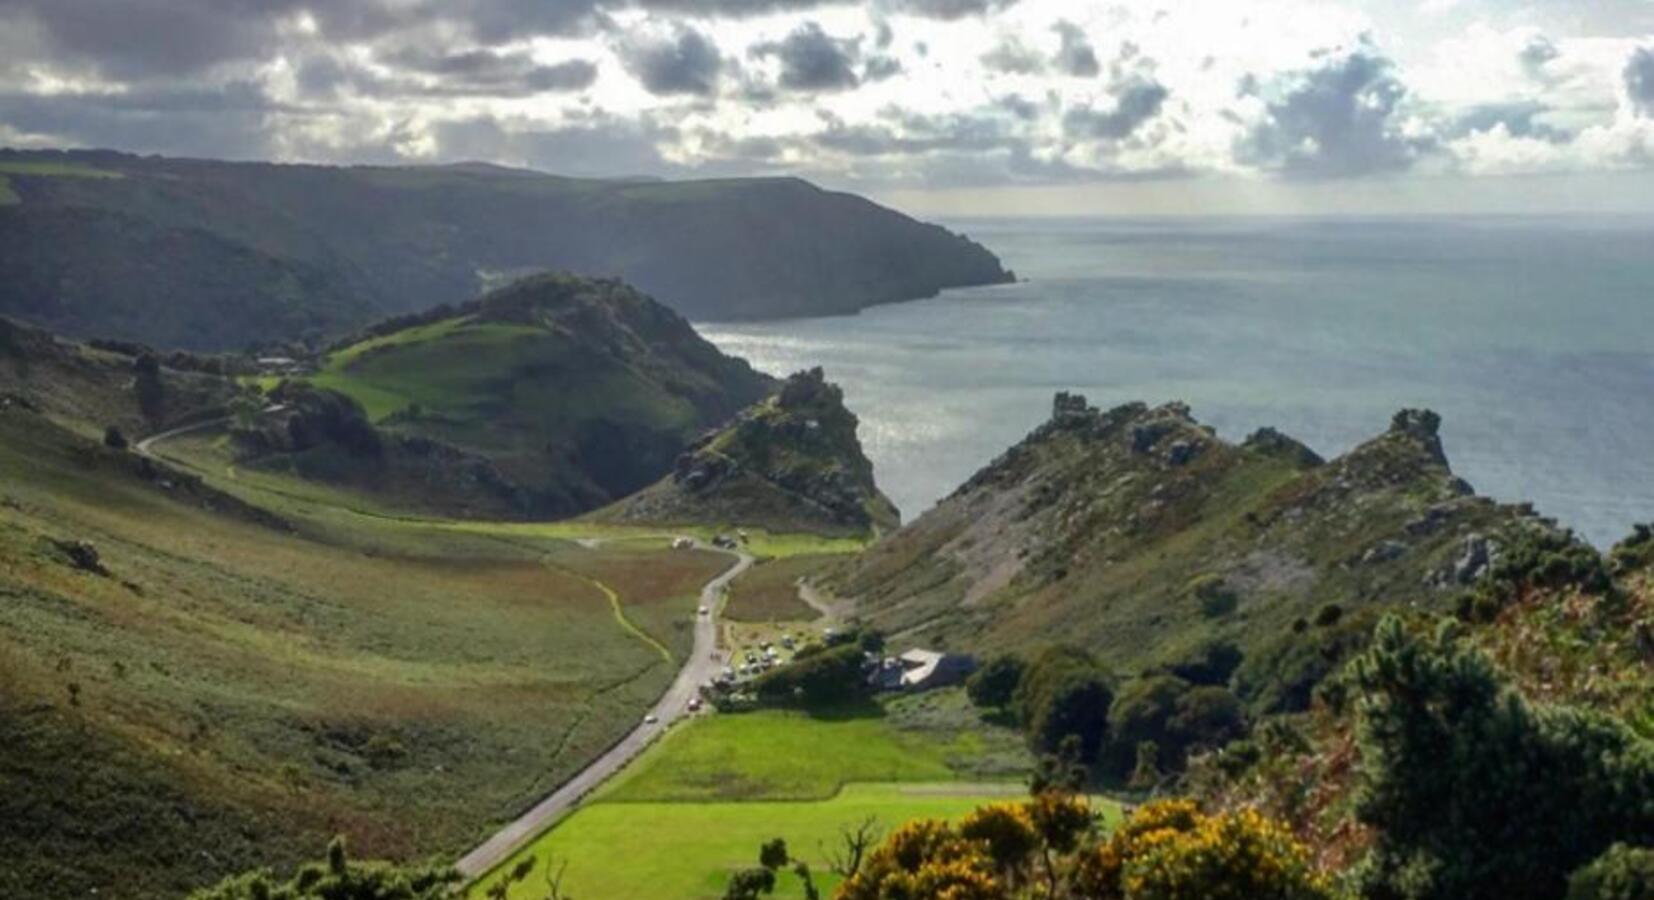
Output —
(1639, 80)
(813, 60)
(1136, 101)
(1075, 57)
(143, 38)
(686, 62)
(225, 122)
(1335, 120)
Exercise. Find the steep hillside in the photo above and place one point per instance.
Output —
(258, 252)
(1140, 535)
(575, 392)
(791, 463)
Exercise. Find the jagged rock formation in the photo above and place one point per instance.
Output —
(259, 252)
(1140, 534)
(790, 463)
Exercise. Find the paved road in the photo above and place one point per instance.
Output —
(701, 666)
(146, 447)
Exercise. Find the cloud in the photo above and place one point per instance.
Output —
(227, 122)
(147, 38)
(1639, 81)
(1012, 56)
(1336, 120)
(1075, 57)
(879, 68)
(950, 9)
(485, 72)
(1519, 118)
(1136, 102)
(685, 62)
(1536, 52)
(597, 146)
(812, 60)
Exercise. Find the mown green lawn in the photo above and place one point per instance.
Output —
(697, 804)
(686, 851)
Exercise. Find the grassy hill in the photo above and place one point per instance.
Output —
(567, 392)
(199, 675)
(259, 252)
(791, 463)
(1140, 535)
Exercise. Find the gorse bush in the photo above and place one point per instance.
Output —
(1170, 850)
(1048, 847)
(1474, 792)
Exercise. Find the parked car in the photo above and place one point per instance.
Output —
(651, 719)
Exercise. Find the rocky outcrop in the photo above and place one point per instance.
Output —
(792, 462)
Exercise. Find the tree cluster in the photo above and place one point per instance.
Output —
(1474, 791)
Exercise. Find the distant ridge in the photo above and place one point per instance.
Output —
(203, 254)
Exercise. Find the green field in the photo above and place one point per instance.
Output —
(686, 851)
(698, 803)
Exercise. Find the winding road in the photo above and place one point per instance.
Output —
(702, 666)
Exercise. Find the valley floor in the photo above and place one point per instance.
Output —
(698, 805)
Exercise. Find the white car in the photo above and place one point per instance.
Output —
(704, 611)
(651, 719)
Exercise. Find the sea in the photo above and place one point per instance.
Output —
(1533, 337)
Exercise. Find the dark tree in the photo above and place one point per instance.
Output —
(1474, 792)
(995, 684)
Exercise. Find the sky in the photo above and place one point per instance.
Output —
(963, 107)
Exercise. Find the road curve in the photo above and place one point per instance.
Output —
(146, 447)
(701, 666)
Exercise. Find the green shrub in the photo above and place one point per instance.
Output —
(1212, 662)
(1472, 791)
(340, 879)
(827, 678)
(1064, 692)
(1214, 596)
(1623, 873)
(1172, 714)
(995, 684)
